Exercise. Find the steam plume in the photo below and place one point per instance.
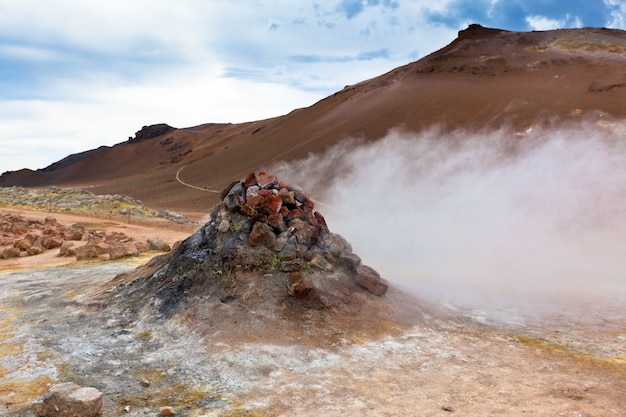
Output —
(496, 220)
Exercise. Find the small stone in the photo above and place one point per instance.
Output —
(167, 411)
(265, 180)
(145, 382)
(224, 226)
(322, 263)
(262, 234)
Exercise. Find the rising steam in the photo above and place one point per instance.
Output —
(495, 220)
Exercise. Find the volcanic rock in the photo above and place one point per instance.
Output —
(70, 400)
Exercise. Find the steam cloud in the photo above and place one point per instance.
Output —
(532, 222)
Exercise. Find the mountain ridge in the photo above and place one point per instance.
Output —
(484, 79)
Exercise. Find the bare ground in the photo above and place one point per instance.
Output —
(51, 330)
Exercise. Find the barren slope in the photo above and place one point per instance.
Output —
(485, 78)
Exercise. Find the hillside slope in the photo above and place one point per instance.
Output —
(486, 78)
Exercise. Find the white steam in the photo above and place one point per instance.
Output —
(493, 220)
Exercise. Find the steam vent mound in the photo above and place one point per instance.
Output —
(266, 256)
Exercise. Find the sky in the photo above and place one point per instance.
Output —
(75, 75)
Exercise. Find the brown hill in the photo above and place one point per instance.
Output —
(485, 78)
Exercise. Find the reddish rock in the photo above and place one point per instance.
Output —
(50, 221)
(167, 411)
(321, 220)
(102, 248)
(272, 204)
(265, 180)
(250, 180)
(34, 250)
(86, 252)
(74, 233)
(19, 228)
(254, 200)
(265, 193)
(248, 210)
(122, 250)
(10, 253)
(299, 287)
(22, 244)
(141, 246)
(287, 196)
(52, 242)
(262, 234)
(277, 222)
(369, 279)
(64, 250)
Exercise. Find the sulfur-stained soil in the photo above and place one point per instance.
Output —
(435, 363)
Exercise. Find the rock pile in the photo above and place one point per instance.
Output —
(265, 252)
(22, 237)
(283, 224)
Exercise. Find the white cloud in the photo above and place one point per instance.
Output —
(617, 12)
(544, 23)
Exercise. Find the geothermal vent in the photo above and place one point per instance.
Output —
(266, 251)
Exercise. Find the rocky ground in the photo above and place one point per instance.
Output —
(271, 345)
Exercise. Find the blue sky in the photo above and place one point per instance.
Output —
(75, 75)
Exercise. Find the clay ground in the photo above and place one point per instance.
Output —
(445, 365)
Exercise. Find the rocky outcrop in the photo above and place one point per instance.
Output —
(80, 200)
(152, 131)
(70, 400)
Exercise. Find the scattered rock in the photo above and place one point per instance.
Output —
(123, 250)
(167, 411)
(86, 252)
(70, 400)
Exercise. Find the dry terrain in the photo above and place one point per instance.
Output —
(439, 363)
(418, 356)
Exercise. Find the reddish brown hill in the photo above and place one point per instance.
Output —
(485, 78)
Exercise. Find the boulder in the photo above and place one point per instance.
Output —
(141, 246)
(64, 250)
(156, 244)
(34, 250)
(70, 400)
(10, 253)
(86, 252)
(369, 279)
(52, 242)
(122, 250)
(22, 244)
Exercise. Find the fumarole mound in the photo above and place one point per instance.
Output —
(265, 254)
